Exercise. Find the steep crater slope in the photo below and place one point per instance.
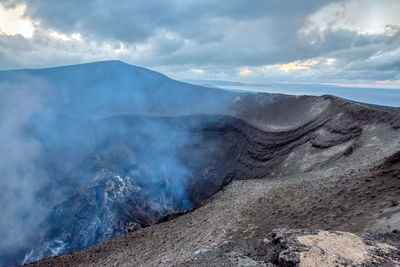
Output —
(322, 174)
(149, 167)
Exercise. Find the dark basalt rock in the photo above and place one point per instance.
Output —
(221, 149)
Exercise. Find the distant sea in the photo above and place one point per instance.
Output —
(385, 97)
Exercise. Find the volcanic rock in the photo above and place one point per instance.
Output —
(244, 163)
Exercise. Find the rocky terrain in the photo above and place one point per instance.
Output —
(335, 170)
(148, 171)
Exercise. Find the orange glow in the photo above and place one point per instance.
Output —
(245, 72)
(295, 65)
(197, 70)
(383, 82)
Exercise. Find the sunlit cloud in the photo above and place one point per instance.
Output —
(121, 48)
(245, 72)
(383, 82)
(13, 22)
(200, 71)
(295, 65)
(66, 37)
(348, 41)
(330, 61)
(366, 17)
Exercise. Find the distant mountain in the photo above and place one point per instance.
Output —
(113, 87)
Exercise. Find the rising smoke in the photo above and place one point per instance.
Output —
(83, 152)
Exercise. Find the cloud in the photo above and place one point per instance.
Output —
(12, 22)
(200, 71)
(366, 17)
(383, 82)
(330, 61)
(175, 37)
(295, 65)
(245, 72)
(65, 37)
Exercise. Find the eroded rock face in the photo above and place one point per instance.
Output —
(303, 248)
(341, 248)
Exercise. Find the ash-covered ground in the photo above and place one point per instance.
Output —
(334, 168)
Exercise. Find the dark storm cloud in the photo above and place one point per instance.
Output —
(218, 36)
(137, 20)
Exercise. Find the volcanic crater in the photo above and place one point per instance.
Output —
(215, 177)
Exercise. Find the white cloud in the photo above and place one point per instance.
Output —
(315, 40)
(66, 37)
(330, 61)
(365, 17)
(295, 65)
(383, 82)
(13, 22)
(199, 71)
(245, 72)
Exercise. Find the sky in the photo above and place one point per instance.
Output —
(352, 42)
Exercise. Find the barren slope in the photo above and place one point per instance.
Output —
(296, 162)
